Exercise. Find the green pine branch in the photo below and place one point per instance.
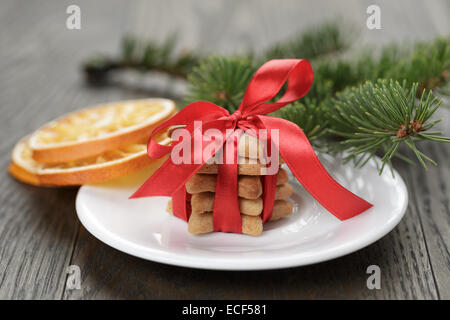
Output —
(310, 115)
(329, 38)
(142, 56)
(220, 80)
(427, 63)
(378, 118)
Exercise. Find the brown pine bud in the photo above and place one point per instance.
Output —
(416, 125)
(221, 95)
(402, 132)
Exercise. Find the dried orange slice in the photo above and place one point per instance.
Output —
(105, 166)
(97, 129)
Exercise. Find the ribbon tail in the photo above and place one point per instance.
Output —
(300, 157)
(166, 180)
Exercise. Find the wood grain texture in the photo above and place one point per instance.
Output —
(429, 196)
(38, 226)
(40, 235)
(109, 274)
(429, 193)
(39, 80)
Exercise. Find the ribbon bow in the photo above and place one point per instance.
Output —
(293, 145)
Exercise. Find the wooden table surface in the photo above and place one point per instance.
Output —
(40, 235)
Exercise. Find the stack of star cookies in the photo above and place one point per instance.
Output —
(202, 188)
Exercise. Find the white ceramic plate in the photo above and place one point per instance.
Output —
(142, 228)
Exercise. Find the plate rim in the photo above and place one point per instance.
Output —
(161, 256)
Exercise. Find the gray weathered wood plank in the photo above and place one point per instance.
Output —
(430, 194)
(39, 80)
(38, 226)
(109, 274)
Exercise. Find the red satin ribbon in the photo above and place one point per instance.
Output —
(226, 213)
(294, 147)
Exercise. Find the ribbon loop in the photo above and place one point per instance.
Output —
(268, 81)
